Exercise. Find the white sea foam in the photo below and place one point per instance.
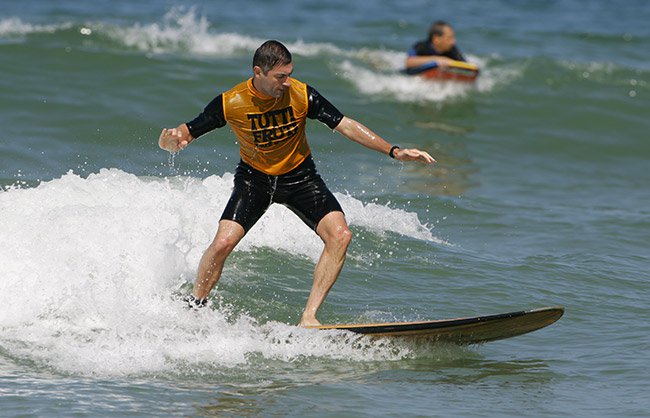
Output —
(374, 72)
(180, 30)
(13, 26)
(89, 265)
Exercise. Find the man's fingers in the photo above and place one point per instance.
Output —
(170, 140)
(171, 132)
(426, 157)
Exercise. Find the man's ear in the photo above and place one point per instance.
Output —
(257, 70)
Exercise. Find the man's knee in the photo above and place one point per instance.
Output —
(333, 230)
(345, 237)
(227, 238)
(223, 246)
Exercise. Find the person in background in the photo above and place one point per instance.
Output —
(440, 47)
(268, 114)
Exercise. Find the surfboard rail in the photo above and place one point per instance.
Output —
(467, 330)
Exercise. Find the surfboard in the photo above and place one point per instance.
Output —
(456, 70)
(462, 331)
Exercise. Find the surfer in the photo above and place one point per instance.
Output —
(267, 114)
(439, 47)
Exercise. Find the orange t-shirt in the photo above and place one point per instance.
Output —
(270, 131)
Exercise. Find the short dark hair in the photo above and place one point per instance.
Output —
(437, 28)
(270, 54)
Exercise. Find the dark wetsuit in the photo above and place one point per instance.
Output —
(301, 189)
(424, 48)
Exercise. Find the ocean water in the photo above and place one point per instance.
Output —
(540, 196)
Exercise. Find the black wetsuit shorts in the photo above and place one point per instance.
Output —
(302, 190)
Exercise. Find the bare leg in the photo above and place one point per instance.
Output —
(333, 230)
(228, 236)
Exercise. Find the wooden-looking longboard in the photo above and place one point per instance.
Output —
(470, 330)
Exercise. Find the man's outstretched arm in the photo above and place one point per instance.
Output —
(360, 134)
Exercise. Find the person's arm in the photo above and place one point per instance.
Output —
(320, 108)
(212, 117)
(422, 53)
(418, 60)
(360, 134)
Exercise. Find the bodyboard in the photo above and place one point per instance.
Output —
(456, 70)
(469, 330)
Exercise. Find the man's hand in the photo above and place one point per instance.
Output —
(174, 139)
(412, 154)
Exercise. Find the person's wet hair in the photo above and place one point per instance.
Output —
(437, 29)
(271, 54)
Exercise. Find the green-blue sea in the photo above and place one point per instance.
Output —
(540, 197)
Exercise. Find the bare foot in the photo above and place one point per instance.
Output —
(309, 322)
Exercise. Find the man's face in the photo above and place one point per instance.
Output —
(275, 82)
(446, 41)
